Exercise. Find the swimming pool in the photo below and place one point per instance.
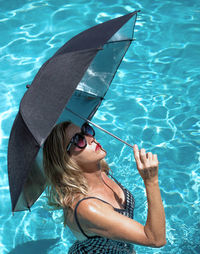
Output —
(153, 101)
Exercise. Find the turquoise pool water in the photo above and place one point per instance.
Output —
(153, 101)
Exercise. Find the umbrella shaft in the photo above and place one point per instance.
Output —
(100, 128)
(109, 133)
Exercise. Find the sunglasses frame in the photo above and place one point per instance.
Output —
(82, 134)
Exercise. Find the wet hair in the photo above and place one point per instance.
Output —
(65, 179)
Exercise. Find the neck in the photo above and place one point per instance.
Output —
(93, 177)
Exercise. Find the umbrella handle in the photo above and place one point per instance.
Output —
(100, 128)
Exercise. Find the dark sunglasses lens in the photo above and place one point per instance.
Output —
(80, 141)
(88, 130)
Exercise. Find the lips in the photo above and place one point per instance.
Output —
(98, 146)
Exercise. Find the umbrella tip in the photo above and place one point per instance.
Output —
(27, 86)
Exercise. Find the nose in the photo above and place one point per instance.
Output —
(90, 139)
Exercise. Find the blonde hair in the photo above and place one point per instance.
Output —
(65, 179)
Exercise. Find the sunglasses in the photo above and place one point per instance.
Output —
(79, 139)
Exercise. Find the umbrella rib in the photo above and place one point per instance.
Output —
(99, 127)
(120, 41)
(86, 94)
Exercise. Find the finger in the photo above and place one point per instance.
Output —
(155, 160)
(155, 157)
(143, 155)
(136, 153)
(149, 156)
(137, 156)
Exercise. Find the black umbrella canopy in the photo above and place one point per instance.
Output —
(77, 77)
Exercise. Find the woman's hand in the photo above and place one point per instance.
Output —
(147, 164)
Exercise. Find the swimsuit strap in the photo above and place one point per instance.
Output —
(116, 181)
(76, 217)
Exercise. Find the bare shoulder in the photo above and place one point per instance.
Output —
(93, 215)
(92, 207)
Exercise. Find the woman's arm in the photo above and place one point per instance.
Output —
(147, 165)
(155, 224)
(98, 218)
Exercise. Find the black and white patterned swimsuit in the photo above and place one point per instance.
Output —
(101, 245)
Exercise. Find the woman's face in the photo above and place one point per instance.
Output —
(91, 155)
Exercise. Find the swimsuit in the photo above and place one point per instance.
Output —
(102, 245)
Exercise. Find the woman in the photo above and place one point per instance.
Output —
(97, 208)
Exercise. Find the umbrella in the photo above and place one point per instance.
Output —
(69, 86)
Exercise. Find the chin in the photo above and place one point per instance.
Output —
(100, 155)
(103, 152)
